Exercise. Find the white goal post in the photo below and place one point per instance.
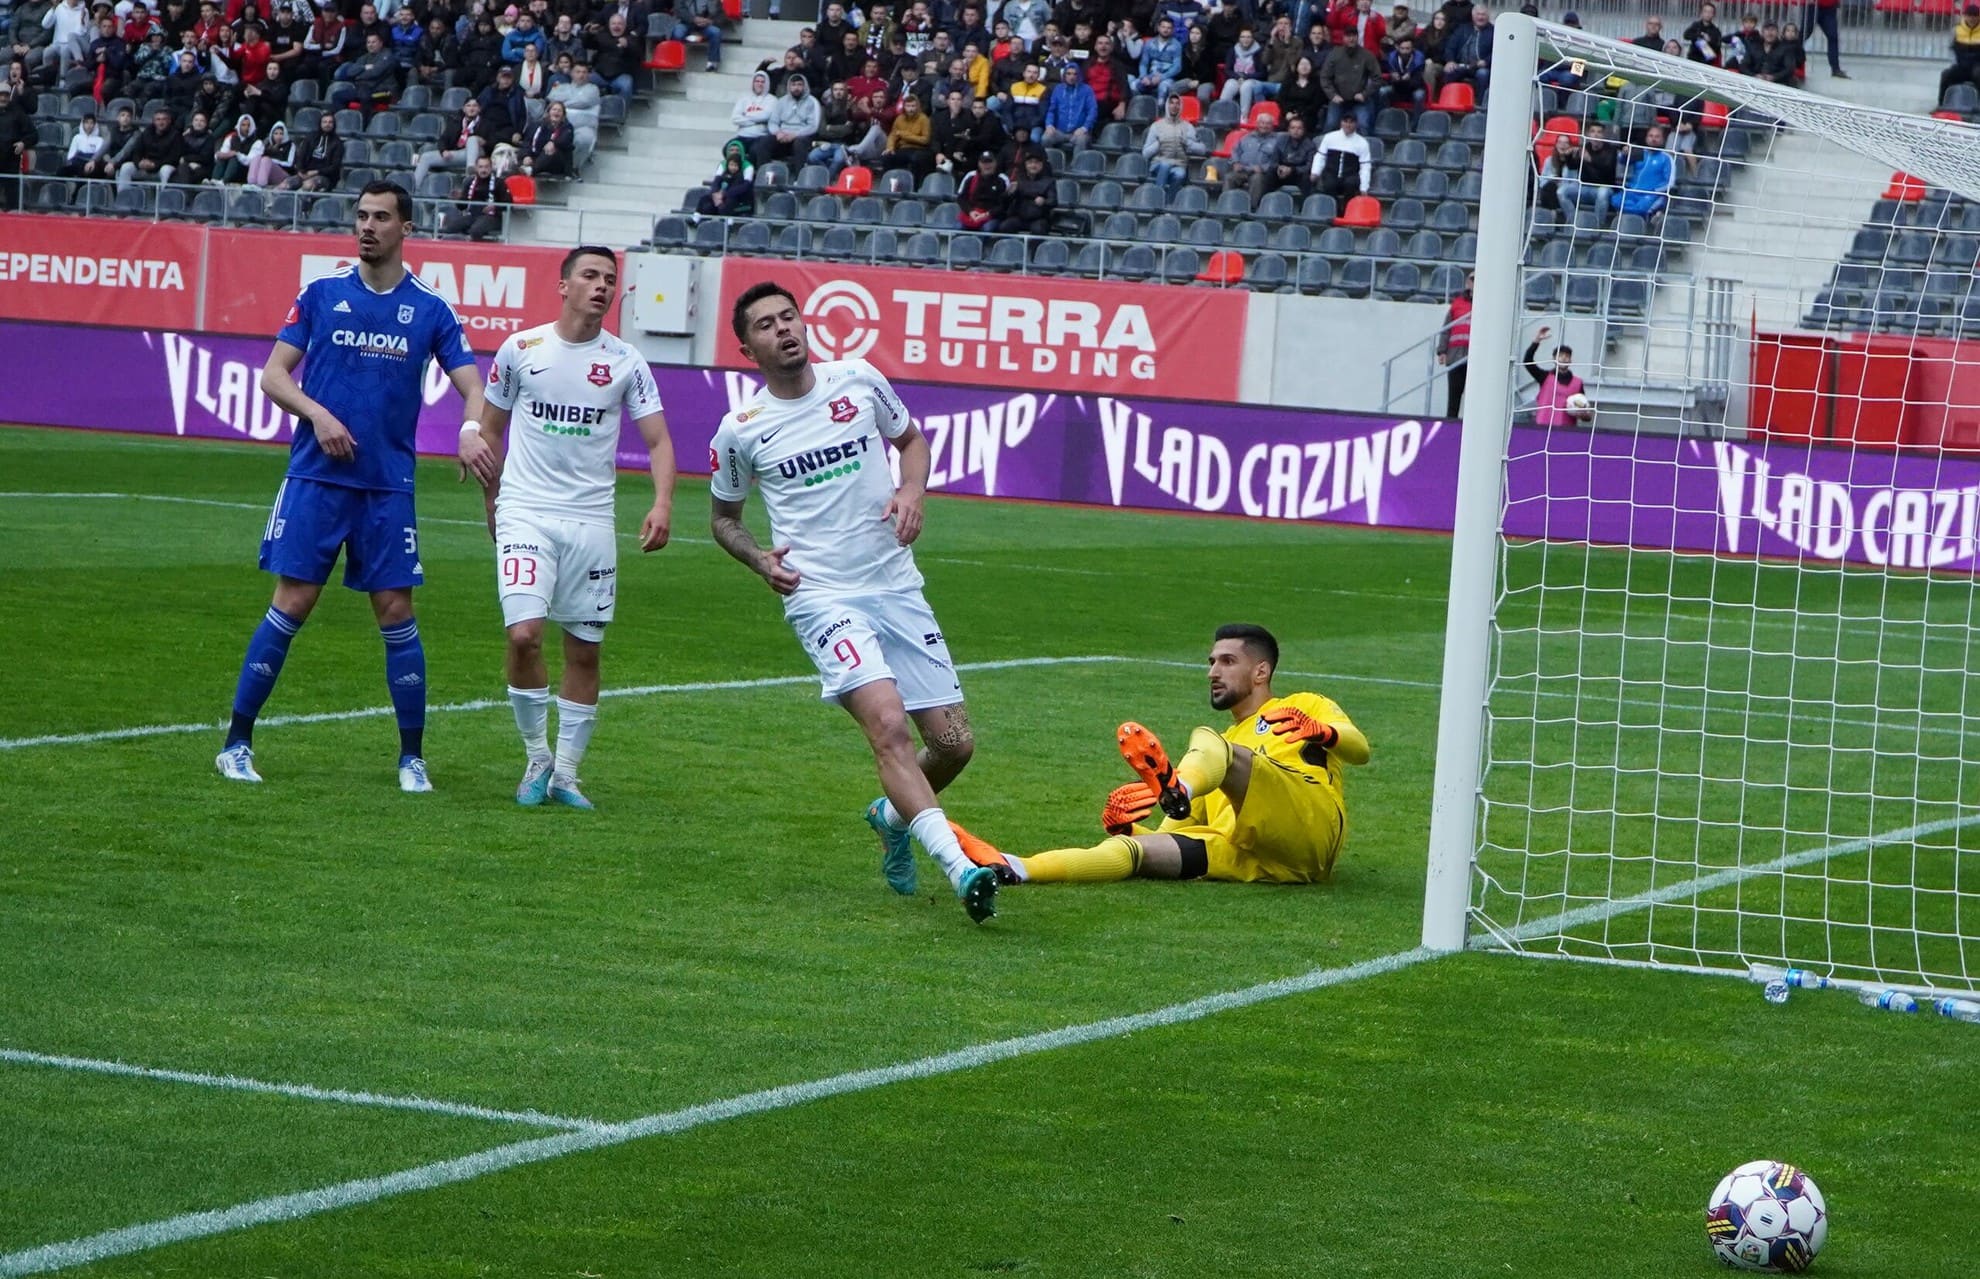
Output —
(1711, 690)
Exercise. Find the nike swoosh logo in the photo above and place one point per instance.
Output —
(765, 439)
(538, 372)
(602, 607)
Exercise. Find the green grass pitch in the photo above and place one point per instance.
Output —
(719, 927)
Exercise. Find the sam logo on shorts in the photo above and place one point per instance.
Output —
(600, 375)
(843, 409)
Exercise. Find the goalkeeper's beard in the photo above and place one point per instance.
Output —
(1224, 699)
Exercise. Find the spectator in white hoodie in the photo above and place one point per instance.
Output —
(751, 116)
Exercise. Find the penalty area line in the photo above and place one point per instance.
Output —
(363, 1190)
(298, 1092)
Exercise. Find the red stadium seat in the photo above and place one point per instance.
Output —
(1192, 108)
(857, 179)
(1954, 116)
(734, 10)
(1263, 109)
(1225, 268)
(1361, 211)
(668, 55)
(1905, 187)
(1715, 115)
(1557, 126)
(522, 188)
(1455, 97)
(1229, 144)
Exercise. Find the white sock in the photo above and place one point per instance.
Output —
(891, 815)
(931, 827)
(532, 708)
(574, 721)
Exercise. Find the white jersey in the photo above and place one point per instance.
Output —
(564, 429)
(822, 468)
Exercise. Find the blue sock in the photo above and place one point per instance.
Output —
(405, 677)
(266, 652)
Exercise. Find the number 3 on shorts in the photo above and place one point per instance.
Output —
(519, 570)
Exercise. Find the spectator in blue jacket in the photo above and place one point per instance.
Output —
(1161, 62)
(1071, 112)
(1468, 51)
(1647, 180)
(525, 32)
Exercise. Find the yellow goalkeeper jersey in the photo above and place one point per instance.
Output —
(1308, 757)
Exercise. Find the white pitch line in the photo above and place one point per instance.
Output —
(290, 1207)
(490, 703)
(300, 1092)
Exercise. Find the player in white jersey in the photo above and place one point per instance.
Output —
(814, 441)
(545, 453)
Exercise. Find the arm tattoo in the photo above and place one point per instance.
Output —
(732, 536)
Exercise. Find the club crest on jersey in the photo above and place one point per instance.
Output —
(843, 409)
(600, 375)
(295, 313)
(494, 374)
(405, 315)
(523, 344)
(747, 414)
(1262, 727)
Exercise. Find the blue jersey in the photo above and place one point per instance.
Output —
(364, 359)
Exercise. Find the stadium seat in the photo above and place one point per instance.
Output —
(1410, 154)
(1262, 111)
(1542, 288)
(944, 217)
(1229, 144)
(1387, 182)
(853, 180)
(1584, 292)
(668, 55)
(1147, 198)
(966, 251)
(1188, 201)
(1425, 246)
(1136, 262)
(1470, 129)
(1911, 248)
(923, 248)
(842, 242)
(1456, 96)
(1006, 253)
(1225, 268)
(794, 241)
(1088, 164)
(1292, 238)
(1131, 166)
(1446, 282)
(772, 175)
(1356, 278)
(750, 237)
(1452, 157)
(711, 236)
(1163, 228)
(897, 182)
(1248, 234)
(1205, 233)
(1104, 197)
(1630, 296)
(1905, 187)
(133, 202)
(1382, 243)
(381, 126)
(1090, 260)
(867, 210)
(937, 187)
(1315, 275)
(1235, 203)
(1317, 208)
(435, 186)
(1961, 97)
(209, 205)
(1120, 226)
(777, 206)
(522, 189)
(1277, 206)
(1392, 124)
(812, 177)
(1401, 281)
(452, 100)
(907, 215)
(1336, 242)
(1192, 109)
(1180, 266)
(1141, 109)
(1268, 273)
(1115, 136)
(1361, 211)
(1405, 216)
(1713, 115)
(1430, 186)
(820, 208)
(1223, 115)
(397, 154)
(1051, 256)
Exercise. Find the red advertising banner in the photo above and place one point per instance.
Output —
(498, 289)
(1043, 333)
(89, 271)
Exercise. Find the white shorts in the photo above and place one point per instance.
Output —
(566, 570)
(856, 640)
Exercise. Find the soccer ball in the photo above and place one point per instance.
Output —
(1580, 407)
(1767, 1216)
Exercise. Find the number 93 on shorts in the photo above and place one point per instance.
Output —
(565, 570)
(857, 640)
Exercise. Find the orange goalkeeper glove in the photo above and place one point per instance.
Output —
(1298, 726)
(1127, 806)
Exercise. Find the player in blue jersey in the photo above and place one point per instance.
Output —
(363, 336)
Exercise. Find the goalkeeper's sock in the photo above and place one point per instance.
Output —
(891, 815)
(1202, 767)
(931, 827)
(259, 668)
(1116, 857)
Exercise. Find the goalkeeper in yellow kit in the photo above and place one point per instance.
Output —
(1260, 801)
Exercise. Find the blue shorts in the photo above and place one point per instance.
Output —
(313, 521)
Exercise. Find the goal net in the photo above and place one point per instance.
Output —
(1712, 698)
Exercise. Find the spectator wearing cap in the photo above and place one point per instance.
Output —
(1401, 23)
(1821, 15)
(1351, 81)
(1169, 145)
(1034, 196)
(1468, 53)
(983, 196)
(326, 45)
(1071, 112)
(793, 122)
(1965, 68)
(504, 108)
(1343, 162)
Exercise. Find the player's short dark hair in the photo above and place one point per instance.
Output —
(750, 297)
(586, 251)
(401, 196)
(1564, 350)
(1256, 639)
